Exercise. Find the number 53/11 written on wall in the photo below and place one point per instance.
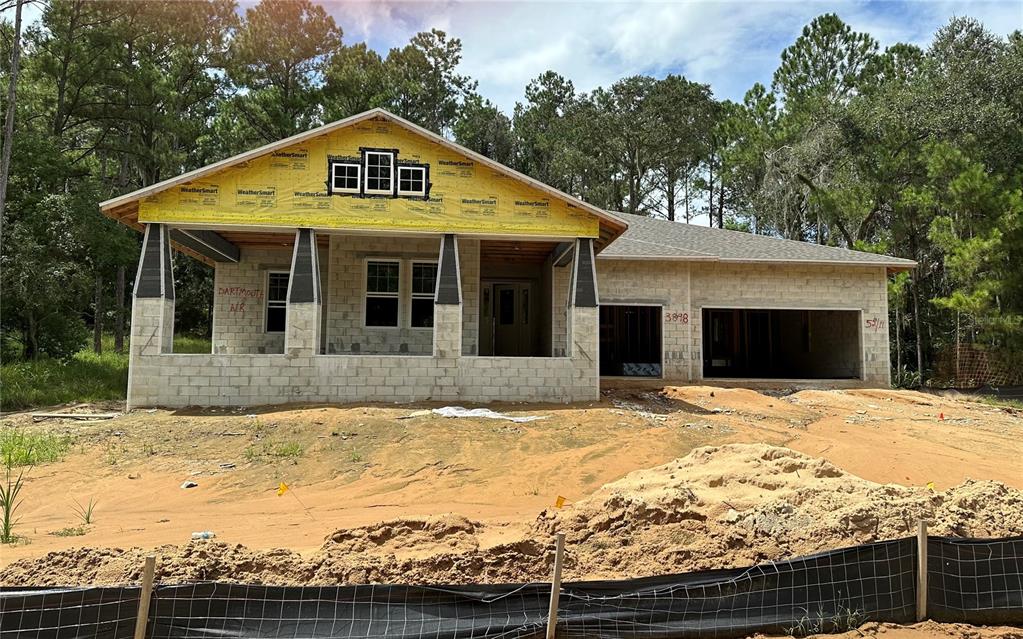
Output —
(676, 318)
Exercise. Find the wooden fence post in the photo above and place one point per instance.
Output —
(921, 570)
(147, 590)
(552, 613)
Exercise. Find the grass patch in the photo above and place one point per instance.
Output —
(188, 344)
(86, 377)
(999, 402)
(26, 448)
(70, 531)
(280, 450)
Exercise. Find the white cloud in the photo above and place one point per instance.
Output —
(728, 44)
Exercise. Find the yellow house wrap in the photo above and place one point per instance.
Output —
(288, 188)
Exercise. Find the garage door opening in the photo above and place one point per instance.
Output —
(781, 344)
(630, 341)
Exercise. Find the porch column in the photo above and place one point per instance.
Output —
(583, 317)
(447, 301)
(152, 309)
(302, 331)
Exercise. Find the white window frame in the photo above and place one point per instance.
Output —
(276, 303)
(358, 177)
(422, 172)
(366, 292)
(365, 161)
(420, 296)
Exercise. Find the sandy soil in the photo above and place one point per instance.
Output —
(472, 488)
(930, 630)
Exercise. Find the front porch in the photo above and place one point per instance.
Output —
(331, 317)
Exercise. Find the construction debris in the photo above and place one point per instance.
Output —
(458, 411)
(41, 416)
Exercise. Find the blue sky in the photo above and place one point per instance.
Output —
(729, 44)
(725, 43)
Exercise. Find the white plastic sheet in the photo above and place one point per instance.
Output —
(458, 411)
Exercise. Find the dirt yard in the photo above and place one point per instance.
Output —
(396, 493)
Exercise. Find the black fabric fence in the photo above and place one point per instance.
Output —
(975, 581)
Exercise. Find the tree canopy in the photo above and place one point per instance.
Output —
(912, 151)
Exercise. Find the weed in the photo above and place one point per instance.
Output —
(280, 450)
(85, 512)
(844, 619)
(10, 500)
(70, 531)
(19, 447)
(355, 456)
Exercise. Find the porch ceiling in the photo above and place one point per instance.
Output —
(521, 252)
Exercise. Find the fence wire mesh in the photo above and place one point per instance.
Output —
(975, 581)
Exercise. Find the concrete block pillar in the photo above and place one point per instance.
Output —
(447, 301)
(584, 318)
(302, 333)
(152, 309)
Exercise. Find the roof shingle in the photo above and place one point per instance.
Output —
(651, 238)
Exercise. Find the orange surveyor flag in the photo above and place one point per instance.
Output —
(559, 502)
(283, 488)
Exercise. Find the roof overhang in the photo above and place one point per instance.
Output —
(891, 266)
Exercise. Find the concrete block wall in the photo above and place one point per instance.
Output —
(345, 293)
(859, 288)
(239, 302)
(718, 285)
(447, 330)
(176, 380)
(303, 331)
(469, 265)
(648, 282)
(562, 282)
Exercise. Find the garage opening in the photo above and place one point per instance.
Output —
(781, 344)
(630, 341)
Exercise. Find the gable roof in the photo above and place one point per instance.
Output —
(650, 238)
(124, 208)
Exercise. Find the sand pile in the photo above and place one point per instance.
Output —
(734, 505)
(719, 507)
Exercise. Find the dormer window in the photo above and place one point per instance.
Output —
(344, 177)
(412, 180)
(379, 173)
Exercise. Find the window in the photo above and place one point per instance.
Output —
(379, 173)
(276, 302)
(412, 180)
(382, 293)
(344, 177)
(424, 284)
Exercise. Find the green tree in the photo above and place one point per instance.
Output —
(422, 83)
(354, 81)
(279, 56)
(978, 227)
(483, 128)
(541, 128)
(682, 117)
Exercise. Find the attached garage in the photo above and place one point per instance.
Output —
(630, 341)
(761, 343)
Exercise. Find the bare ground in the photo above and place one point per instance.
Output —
(396, 494)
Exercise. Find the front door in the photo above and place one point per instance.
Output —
(511, 321)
